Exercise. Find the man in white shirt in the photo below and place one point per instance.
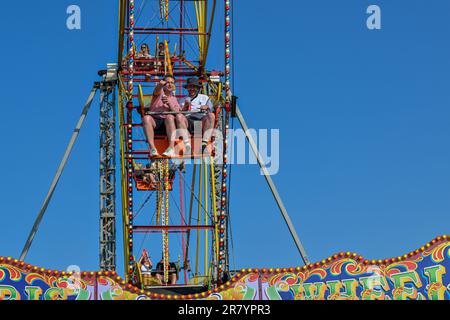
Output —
(201, 104)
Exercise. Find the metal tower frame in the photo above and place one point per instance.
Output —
(108, 174)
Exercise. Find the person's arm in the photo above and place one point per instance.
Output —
(186, 105)
(173, 106)
(158, 88)
(208, 106)
(176, 107)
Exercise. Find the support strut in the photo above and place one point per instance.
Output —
(272, 187)
(108, 174)
(58, 174)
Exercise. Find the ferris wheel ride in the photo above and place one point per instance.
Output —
(191, 237)
(175, 207)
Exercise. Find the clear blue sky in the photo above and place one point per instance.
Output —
(363, 116)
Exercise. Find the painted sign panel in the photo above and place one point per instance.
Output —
(419, 275)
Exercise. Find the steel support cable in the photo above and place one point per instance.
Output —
(198, 201)
(178, 238)
(191, 25)
(143, 204)
(188, 236)
(174, 201)
(59, 172)
(273, 188)
(211, 22)
(146, 234)
(147, 25)
(175, 22)
(140, 10)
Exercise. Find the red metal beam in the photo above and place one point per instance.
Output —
(187, 33)
(170, 228)
(164, 29)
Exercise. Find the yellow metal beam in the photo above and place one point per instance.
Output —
(123, 96)
(123, 188)
(201, 14)
(206, 222)
(191, 204)
(199, 219)
(168, 59)
(122, 12)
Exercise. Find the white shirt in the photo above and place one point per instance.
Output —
(199, 101)
(145, 269)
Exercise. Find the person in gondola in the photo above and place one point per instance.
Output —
(149, 173)
(145, 266)
(173, 272)
(161, 51)
(146, 263)
(146, 173)
(160, 57)
(164, 100)
(144, 54)
(204, 108)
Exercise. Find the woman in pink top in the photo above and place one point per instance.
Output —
(164, 101)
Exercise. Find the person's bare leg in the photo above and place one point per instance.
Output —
(183, 124)
(208, 125)
(173, 279)
(149, 125)
(170, 128)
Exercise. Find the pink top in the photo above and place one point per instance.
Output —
(158, 105)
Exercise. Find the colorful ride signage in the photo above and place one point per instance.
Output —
(420, 275)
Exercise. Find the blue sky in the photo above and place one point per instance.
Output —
(363, 116)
